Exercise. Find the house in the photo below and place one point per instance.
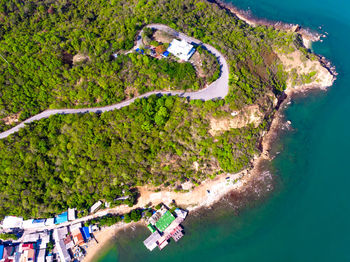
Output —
(8, 252)
(95, 206)
(62, 251)
(78, 239)
(157, 215)
(49, 258)
(77, 235)
(12, 222)
(27, 246)
(152, 241)
(33, 223)
(181, 213)
(59, 235)
(28, 252)
(1, 251)
(160, 49)
(27, 223)
(41, 255)
(85, 233)
(31, 237)
(68, 241)
(181, 49)
(50, 222)
(71, 214)
(44, 240)
(17, 256)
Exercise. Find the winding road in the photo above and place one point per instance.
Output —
(217, 89)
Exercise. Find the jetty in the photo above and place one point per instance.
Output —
(164, 225)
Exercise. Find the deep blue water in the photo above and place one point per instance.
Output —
(307, 217)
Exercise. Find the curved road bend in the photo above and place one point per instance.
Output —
(217, 89)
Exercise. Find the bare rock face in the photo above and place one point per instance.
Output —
(248, 115)
(11, 119)
(80, 58)
(310, 72)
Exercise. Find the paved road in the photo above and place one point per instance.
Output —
(217, 89)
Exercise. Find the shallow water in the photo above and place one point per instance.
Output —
(306, 218)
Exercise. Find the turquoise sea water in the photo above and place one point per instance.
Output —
(307, 217)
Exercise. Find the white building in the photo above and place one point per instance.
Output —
(41, 255)
(95, 206)
(33, 223)
(152, 241)
(71, 214)
(12, 222)
(181, 49)
(59, 235)
(75, 228)
(50, 222)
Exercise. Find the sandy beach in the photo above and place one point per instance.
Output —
(104, 237)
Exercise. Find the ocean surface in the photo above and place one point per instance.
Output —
(307, 215)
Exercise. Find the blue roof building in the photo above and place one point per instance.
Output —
(1, 251)
(85, 232)
(61, 218)
(138, 50)
(166, 54)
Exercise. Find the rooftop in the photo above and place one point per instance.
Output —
(165, 221)
(181, 49)
(95, 206)
(61, 218)
(151, 241)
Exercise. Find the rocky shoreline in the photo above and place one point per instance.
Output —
(307, 35)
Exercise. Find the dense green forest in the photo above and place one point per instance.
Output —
(39, 38)
(74, 160)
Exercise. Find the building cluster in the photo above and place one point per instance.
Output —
(53, 239)
(64, 244)
(163, 226)
(179, 48)
(18, 222)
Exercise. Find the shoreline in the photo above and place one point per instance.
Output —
(106, 235)
(105, 238)
(199, 197)
(307, 35)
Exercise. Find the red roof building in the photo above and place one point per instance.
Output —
(27, 246)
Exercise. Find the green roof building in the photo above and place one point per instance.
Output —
(151, 228)
(165, 221)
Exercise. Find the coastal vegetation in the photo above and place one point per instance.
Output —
(8, 236)
(134, 215)
(75, 160)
